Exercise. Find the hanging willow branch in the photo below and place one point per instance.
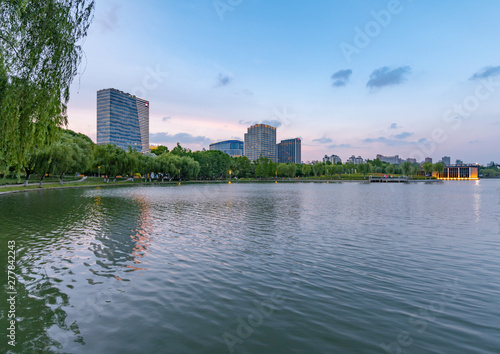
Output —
(39, 57)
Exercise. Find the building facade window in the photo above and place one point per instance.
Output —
(260, 140)
(123, 120)
(231, 147)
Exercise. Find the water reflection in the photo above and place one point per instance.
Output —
(39, 223)
(120, 229)
(130, 269)
(476, 197)
(54, 234)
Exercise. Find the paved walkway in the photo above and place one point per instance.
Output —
(35, 183)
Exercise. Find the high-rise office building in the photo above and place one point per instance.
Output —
(231, 147)
(446, 160)
(289, 150)
(123, 120)
(260, 140)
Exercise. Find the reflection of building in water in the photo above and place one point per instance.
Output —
(122, 234)
(142, 231)
(458, 172)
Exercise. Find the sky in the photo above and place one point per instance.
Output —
(413, 78)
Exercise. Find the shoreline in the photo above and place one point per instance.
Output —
(155, 183)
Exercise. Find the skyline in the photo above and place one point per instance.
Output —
(384, 77)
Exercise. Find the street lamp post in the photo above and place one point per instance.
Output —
(179, 175)
(99, 169)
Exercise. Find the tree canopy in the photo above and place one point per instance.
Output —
(39, 57)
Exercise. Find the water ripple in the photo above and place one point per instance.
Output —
(316, 267)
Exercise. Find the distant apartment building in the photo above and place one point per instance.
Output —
(411, 160)
(333, 159)
(428, 159)
(446, 160)
(355, 160)
(394, 160)
(123, 120)
(289, 150)
(459, 162)
(260, 140)
(231, 147)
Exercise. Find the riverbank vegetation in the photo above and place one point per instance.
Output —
(73, 154)
(40, 54)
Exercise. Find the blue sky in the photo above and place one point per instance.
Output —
(415, 78)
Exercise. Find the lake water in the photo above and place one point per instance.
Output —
(255, 268)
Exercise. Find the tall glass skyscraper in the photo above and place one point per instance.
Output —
(123, 120)
(260, 140)
(290, 151)
(230, 147)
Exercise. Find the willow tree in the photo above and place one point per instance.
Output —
(40, 54)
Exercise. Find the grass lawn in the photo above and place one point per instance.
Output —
(33, 179)
(53, 182)
(90, 181)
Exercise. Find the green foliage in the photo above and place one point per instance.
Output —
(132, 161)
(148, 165)
(491, 172)
(364, 168)
(318, 169)
(39, 57)
(177, 167)
(74, 153)
(180, 151)
(64, 156)
(213, 163)
(286, 170)
(349, 167)
(427, 167)
(406, 168)
(243, 167)
(160, 150)
(110, 158)
(306, 170)
(265, 168)
(439, 167)
(330, 169)
(415, 169)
